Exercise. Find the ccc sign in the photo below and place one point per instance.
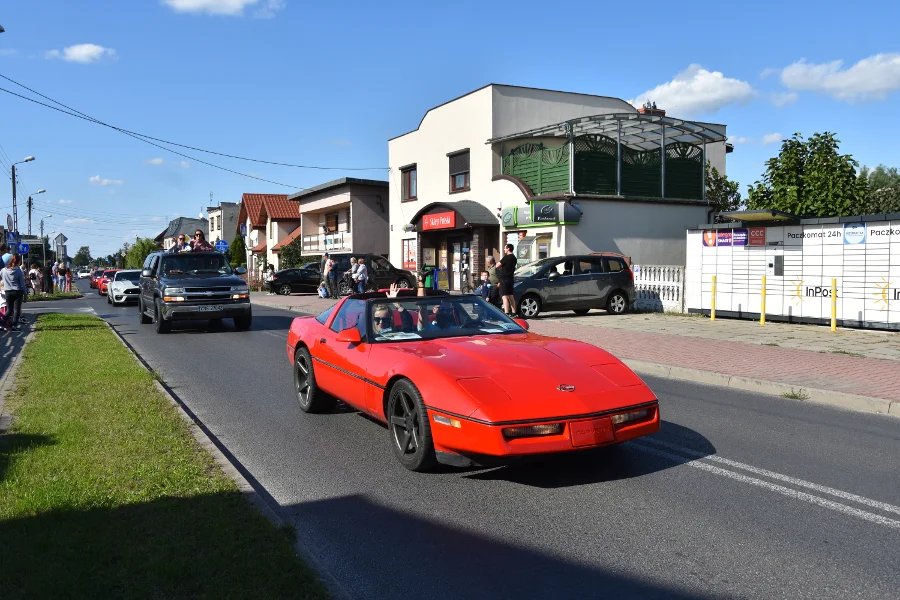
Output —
(757, 236)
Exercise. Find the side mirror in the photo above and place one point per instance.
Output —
(240, 270)
(522, 323)
(146, 273)
(349, 336)
(553, 275)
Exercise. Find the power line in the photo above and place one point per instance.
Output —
(142, 135)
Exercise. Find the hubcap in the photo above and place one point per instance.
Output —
(405, 423)
(301, 380)
(403, 284)
(285, 290)
(529, 307)
(618, 303)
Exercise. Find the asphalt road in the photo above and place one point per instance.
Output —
(739, 495)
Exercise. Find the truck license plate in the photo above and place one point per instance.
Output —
(209, 308)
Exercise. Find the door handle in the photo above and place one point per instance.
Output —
(321, 340)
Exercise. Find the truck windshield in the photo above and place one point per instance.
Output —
(197, 264)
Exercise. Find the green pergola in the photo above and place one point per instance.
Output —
(620, 154)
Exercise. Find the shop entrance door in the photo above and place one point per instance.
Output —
(459, 261)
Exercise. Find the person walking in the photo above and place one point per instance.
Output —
(14, 285)
(361, 276)
(269, 280)
(505, 274)
(48, 278)
(34, 280)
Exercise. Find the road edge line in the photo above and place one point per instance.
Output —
(866, 404)
(248, 491)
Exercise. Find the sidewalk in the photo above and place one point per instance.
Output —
(857, 369)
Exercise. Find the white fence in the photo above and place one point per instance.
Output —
(659, 288)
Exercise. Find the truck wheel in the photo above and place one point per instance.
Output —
(162, 326)
(243, 323)
(145, 320)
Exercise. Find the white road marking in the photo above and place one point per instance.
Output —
(773, 475)
(791, 493)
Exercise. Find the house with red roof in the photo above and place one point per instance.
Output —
(269, 219)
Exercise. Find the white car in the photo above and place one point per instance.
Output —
(84, 273)
(124, 287)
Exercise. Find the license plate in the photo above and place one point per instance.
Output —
(591, 433)
(209, 308)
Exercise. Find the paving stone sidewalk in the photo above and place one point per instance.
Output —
(858, 362)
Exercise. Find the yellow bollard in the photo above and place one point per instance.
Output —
(833, 304)
(712, 313)
(762, 306)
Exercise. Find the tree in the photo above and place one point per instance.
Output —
(238, 251)
(292, 255)
(810, 178)
(138, 252)
(723, 194)
(883, 200)
(83, 256)
(881, 177)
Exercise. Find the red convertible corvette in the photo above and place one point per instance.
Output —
(460, 383)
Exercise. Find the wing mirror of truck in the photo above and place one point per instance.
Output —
(146, 273)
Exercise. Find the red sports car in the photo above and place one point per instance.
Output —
(95, 278)
(104, 280)
(460, 383)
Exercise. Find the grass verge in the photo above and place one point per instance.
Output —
(105, 493)
(55, 296)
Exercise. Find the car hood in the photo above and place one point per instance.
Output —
(203, 281)
(528, 376)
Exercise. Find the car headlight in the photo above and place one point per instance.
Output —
(174, 291)
(240, 289)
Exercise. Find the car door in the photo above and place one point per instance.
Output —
(340, 367)
(148, 284)
(381, 272)
(594, 282)
(308, 277)
(619, 274)
(560, 285)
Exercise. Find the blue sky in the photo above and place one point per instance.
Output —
(328, 83)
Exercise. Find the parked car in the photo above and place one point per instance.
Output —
(107, 276)
(84, 273)
(458, 382)
(124, 287)
(301, 279)
(191, 286)
(95, 278)
(578, 283)
(381, 272)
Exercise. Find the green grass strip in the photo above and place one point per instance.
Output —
(104, 492)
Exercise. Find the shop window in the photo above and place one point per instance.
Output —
(408, 183)
(459, 171)
(408, 252)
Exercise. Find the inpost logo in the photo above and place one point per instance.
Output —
(884, 294)
(797, 296)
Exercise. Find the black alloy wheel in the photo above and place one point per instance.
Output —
(617, 304)
(284, 290)
(310, 398)
(162, 326)
(410, 431)
(403, 283)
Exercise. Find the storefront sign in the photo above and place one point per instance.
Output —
(757, 236)
(444, 220)
(723, 237)
(709, 237)
(508, 216)
(544, 212)
(443, 279)
(854, 234)
(739, 237)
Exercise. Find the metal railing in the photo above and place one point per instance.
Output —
(325, 242)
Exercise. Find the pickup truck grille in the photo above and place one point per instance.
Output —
(207, 289)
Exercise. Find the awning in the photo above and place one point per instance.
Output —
(259, 248)
(471, 212)
(287, 240)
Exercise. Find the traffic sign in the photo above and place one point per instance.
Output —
(221, 245)
(9, 223)
(243, 229)
(24, 248)
(10, 237)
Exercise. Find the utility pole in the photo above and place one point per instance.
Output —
(43, 246)
(15, 215)
(29, 215)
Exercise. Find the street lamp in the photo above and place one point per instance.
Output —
(16, 214)
(40, 191)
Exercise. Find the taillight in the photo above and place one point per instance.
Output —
(631, 273)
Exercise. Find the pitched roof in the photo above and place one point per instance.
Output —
(323, 187)
(277, 207)
(287, 239)
(252, 205)
(184, 225)
(259, 248)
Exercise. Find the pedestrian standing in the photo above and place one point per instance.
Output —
(361, 277)
(323, 262)
(48, 279)
(269, 279)
(55, 275)
(34, 279)
(494, 280)
(14, 285)
(332, 279)
(70, 276)
(505, 273)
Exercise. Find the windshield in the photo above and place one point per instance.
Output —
(532, 268)
(132, 276)
(417, 318)
(109, 274)
(195, 264)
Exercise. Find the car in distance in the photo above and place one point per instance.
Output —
(124, 287)
(103, 283)
(578, 283)
(460, 383)
(381, 272)
(301, 279)
(192, 286)
(95, 278)
(84, 273)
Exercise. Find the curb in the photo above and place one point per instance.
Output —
(773, 388)
(7, 384)
(202, 436)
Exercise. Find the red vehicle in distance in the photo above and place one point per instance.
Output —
(95, 278)
(104, 280)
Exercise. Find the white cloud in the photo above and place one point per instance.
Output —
(65, 202)
(780, 99)
(872, 78)
(96, 180)
(769, 72)
(82, 53)
(78, 220)
(736, 139)
(265, 9)
(185, 164)
(154, 161)
(696, 90)
(772, 138)
(8, 51)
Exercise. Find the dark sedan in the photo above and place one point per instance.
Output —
(577, 283)
(302, 279)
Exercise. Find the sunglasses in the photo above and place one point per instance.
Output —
(383, 320)
(198, 235)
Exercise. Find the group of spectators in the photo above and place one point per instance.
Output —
(15, 285)
(498, 280)
(331, 276)
(197, 244)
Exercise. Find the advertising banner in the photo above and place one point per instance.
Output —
(757, 236)
(544, 212)
(444, 220)
(739, 237)
(709, 237)
(723, 237)
(854, 234)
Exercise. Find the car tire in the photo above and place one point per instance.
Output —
(408, 428)
(310, 398)
(145, 320)
(344, 288)
(243, 323)
(581, 311)
(529, 306)
(616, 304)
(284, 290)
(403, 283)
(162, 326)
(108, 299)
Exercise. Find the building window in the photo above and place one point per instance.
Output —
(459, 171)
(408, 185)
(408, 254)
(331, 222)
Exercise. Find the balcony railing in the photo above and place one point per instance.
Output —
(327, 242)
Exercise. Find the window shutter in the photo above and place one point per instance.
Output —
(459, 163)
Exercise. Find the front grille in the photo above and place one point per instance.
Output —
(214, 299)
(131, 291)
(207, 289)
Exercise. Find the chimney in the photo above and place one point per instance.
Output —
(649, 109)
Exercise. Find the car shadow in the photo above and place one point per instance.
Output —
(622, 461)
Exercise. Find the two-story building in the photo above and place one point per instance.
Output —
(553, 173)
(223, 221)
(344, 215)
(252, 225)
(268, 221)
